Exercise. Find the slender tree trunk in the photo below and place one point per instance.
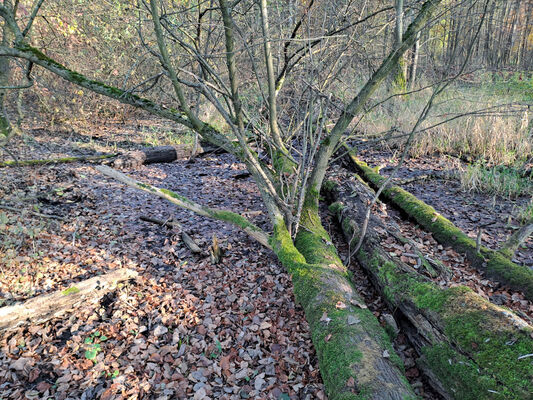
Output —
(400, 74)
(414, 62)
(5, 74)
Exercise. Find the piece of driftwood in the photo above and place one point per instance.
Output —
(45, 307)
(146, 155)
(187, 239)
(468, 347)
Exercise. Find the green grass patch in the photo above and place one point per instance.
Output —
(496, 180)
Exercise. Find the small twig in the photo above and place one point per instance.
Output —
(478, 240)
(169, 223)
(37, 214)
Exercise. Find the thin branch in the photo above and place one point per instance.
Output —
(34, 11)
(227, 216)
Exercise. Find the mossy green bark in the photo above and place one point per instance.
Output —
(494, 263)
(54, 160)
(345, 349)
(471, 346)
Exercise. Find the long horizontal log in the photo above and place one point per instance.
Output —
(45, 307)
(52, 161)
(468, 347)
(495, 264)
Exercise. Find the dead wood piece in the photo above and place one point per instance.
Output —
(516, 239)
(496, 265)
(449, 327)
(230, 217)
(53, 161)
(147, 155)
(37, 214)
(187, 239)
(45, 307)
(215, 252)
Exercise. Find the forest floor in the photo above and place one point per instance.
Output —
(186, 328)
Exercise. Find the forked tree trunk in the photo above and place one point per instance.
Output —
(468, 347)
(354, 352)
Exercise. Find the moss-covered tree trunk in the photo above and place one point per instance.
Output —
(355, 354)
(495, 264)
(469, 348)
(5, 72)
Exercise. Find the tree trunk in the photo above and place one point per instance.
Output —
(494, 263)
(399, 75)
(5, 73)
(414, 63)
(349, 341)
(468, 347)
(45, 307)
(516, 239)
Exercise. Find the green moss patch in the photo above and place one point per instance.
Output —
(70, 290)
(317, 273)
(494, 263)
(474, 327)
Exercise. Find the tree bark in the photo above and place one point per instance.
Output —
(45, 307)
(349, 340)
(463, 341)
(414, 63)
(516, 239)
(494, 263)
(147, 155)
(53, 161)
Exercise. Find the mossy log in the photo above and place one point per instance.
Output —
(45, 307)
(495, 264)
(469, 348)
(355, 355)
(52, 161)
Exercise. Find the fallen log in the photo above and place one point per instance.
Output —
(187, 239)
(45, 307)
(355, 354)
(146, 155)
(52, 161)
(469, 348)
(495, 264)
